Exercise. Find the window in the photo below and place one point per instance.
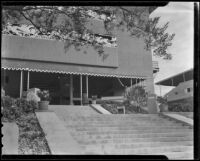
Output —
(187, 90)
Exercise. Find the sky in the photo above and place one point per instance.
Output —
(180, 17)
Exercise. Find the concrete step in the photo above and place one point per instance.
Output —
(119, 119)
(127, 115)
(123, 125)
(117, 124)
(114, 120)
(140, 151)
(142, 131)
(141, 135)
(132, 140)
(128, 128)
(170, 155)
(138, 145)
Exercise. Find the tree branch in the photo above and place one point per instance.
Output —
(38, 28)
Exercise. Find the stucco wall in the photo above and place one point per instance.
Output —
(179, 91)
(48, 50)
(130, 58)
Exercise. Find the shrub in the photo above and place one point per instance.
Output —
(136, 94)
(7, 101)
(26, 106)
(10, 111)
(161, 100)
(14, 108)
(112, 108)
(187, 107)
(180, 107)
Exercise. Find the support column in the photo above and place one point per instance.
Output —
(71, 89)
(172, 82)
(160, 90)
(131, 82)
(81, 89)
(28, 80)
(87, 85)
(21, 84)
(136, 81)
(184, 77)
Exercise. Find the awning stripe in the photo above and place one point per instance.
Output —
(76, 73)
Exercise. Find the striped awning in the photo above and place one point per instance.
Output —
(59, 68)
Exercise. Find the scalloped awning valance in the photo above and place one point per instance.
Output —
(59, 68)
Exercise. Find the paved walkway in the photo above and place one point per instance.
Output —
(57, 133)
(58, 137)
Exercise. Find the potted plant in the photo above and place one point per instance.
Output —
(94, 99)
(44, 99)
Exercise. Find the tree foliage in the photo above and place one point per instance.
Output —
(69, 24)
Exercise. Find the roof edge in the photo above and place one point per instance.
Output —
(157, 83)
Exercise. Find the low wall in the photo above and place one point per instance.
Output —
(10, 132)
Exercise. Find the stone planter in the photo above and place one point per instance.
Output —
(94, 99)
(152, 104)
(163, 108)
(94, 102)
(43, 105)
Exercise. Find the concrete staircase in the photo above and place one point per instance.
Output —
(130, 134)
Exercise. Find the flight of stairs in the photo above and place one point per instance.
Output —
(131, 134)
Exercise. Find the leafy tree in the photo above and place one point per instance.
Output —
(69, 24)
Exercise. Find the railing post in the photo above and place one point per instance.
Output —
(71, 89)
(81, 88)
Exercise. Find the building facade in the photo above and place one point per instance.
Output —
(183, 90)
(68, 74)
